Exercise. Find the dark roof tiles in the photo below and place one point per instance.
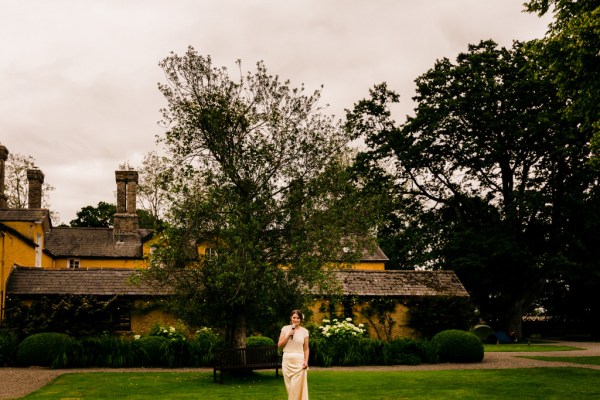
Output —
(99, 282)
(35, 281)
(400, 283)
(93, 242)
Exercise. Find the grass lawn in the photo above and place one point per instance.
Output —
(489, 348)
(589, 360)
(528, 383)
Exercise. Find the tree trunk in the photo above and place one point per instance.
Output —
(239, 331)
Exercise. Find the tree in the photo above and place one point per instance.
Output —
(263, 187)
(571, 52)
(493, 166)
(101, 216)
(16, 183)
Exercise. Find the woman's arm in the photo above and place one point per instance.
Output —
(306, 352)
(284, 337)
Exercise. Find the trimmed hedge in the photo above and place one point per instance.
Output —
(9, 343)
(50, 349)
(458, 346)
(255, 341)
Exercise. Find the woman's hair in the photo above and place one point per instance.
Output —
(298, 312)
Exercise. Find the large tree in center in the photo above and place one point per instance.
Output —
(264, 194)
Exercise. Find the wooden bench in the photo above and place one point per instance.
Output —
(246, 359)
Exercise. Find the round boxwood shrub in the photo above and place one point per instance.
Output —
(46, 350)
(458, 346)
(255, 341)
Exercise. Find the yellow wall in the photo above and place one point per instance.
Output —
(400, 328)
(61, 263)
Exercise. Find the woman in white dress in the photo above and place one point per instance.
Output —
(294, 341)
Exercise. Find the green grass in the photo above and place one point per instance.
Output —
(490, 348)
(528, 383)
(588, 360)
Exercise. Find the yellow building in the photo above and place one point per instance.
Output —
(41, 260)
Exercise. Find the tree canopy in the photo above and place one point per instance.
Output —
(495, 168)
(263, 187)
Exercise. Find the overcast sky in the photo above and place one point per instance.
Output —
(78, 79)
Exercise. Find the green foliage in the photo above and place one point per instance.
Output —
(357, 350)
(410, 352)
(154, 350)
(9, 342)
(254, 341)
(101, 216)
(341, 330)
(262, 179)
(51, 349)
(458, 346)
(169, 332)
(75, 315)
(430, 315)
(108, 351)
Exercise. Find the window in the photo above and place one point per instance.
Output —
(121, 316)
(73, 262)
(38, 251)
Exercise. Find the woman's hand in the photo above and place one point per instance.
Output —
(305, 365)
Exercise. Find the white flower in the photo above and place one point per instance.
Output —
(349, 319)
(137, 337)
(325, 321)
(172, 328)
(361, 325)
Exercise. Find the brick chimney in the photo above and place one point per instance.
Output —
(3, 158)
(126, 219)
(36, 179)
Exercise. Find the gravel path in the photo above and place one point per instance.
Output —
(17, 382)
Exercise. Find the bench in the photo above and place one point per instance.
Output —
(246, 359)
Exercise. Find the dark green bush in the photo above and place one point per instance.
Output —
(153, 350)
(366, 351)
(55, 350)
(202, 345)
(430, 315)
(110, 352)
(458, 346)
(254, 341)
(8, 347)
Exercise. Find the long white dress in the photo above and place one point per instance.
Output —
(294, 376)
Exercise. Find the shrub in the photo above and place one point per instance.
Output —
(170, 332)
(458, 346)
(430, 315)
(202, 345)
(54, 350)
(8, 347)
(153, 350)
(109, 351)
(255, 341)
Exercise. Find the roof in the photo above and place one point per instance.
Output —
(375, 255)
(400, 283)
(98, 282)
(94, 242)
(27, 215)
(36, 281)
